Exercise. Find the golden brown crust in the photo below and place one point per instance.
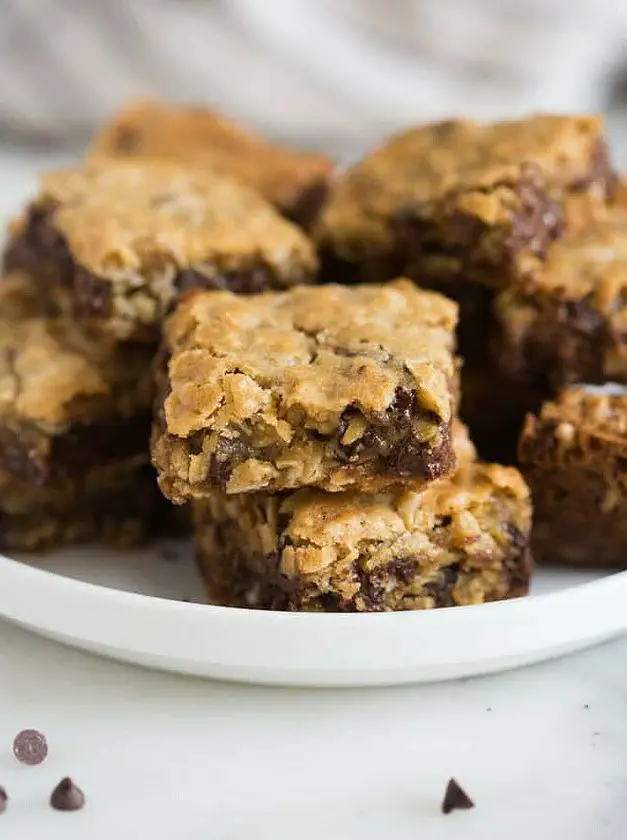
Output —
(205, 138)
(459, 541)
(133, 215)
(296, 382)
(471, 197)
(123, 240)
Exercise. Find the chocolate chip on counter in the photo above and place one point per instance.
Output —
(455, 798)
(3, 800)
(30, 747)
(67, 796)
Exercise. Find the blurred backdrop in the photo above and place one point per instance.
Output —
(333, 74)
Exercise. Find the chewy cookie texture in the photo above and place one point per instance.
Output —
(74, 425)
(573, 455)
(68, 400)
(568, 322)
(459, 199)
(326, 386)
(117, 243)
(462, 540)
(295, 182)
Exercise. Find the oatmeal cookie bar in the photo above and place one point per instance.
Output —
(119, 504)
(568, 322)
(459, 199)
(331, 386)
(574, 456)
(69, 401)
(461, 540)
(295, 182)
(118, 242)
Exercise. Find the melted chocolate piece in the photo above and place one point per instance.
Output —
(462, 238)
(43, 251)
(3, 800)
(391, 438)
(92, 294)
(229, 452)
(441, 589)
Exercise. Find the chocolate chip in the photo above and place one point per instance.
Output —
(403, 569)
(92, 294)
(391, 436)
(67, 796)
(229, 452)
(441, 588)
(455, 798)
(3, 800)
(30, 747)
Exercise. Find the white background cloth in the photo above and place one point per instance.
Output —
(323, 72)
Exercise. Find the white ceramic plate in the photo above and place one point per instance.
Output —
(130, 606)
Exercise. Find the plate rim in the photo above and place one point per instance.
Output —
(300, 649)
(112, 594)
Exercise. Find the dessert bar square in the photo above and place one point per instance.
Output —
(119, 504)
(295, 182)
(460, 199)
(117, 243)
(568, 322)
(331, 386)
(574, 456)
(69, 401)
(461, 540)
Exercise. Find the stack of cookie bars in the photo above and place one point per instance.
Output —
(291, 333)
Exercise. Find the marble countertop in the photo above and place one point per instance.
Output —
(541, 750)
